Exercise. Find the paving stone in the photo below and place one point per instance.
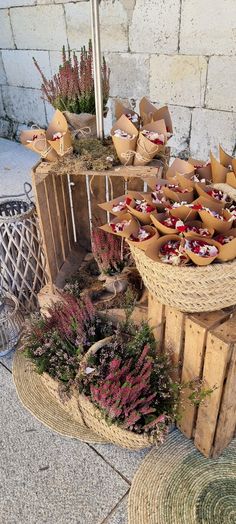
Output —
(113, 22)
(3, 78)
(120, 513)
(154, 27)
(129, 75)
(208, 27)
(2, 110)
(178, 79)
(123, 460)
(221, 81)
(7, 359)
(20, 69)
(15, 165)
(209, 128)
(29, 25)
(5, 128)
(24, 105)
(6, 37)
(46, 478)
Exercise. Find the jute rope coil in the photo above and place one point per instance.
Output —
(44, 405)
(175, 484)
(189, 289)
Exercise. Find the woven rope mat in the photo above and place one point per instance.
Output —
(175, 484)
(44, 406)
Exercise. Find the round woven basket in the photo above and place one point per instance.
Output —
(190, 289)
(94, 419)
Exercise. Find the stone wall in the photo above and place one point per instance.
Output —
(180, 52)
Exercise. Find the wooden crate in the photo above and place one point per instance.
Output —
(201, 346)
(65, 243)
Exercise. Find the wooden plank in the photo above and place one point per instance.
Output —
(174, 338)
(226, 424)
(196, 328)
(97, 187)
(81, 214)
(54, 222)
(156, 314)
(216, 360)
(61, 214)
(45, 226)
(68, 213)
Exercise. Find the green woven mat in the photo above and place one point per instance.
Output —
(175, 484)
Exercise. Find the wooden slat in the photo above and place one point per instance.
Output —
(61, 213)
(81, 214)
(53, 218)
(98, 195)
(174, 338)
(196, 328)
(156, 312)
(215, 365)
(135, 184)
(68, 216)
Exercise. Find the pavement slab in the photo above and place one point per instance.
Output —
(125, 461)
(15, 166)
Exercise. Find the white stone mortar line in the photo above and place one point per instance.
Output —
(179, 30)
(12, 32)
(206, 86)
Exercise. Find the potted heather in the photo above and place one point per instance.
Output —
(109, 254)
(71, 90)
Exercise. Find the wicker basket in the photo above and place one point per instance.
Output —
(11, 322)
(189, 289)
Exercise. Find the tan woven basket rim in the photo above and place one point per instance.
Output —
(21, 216)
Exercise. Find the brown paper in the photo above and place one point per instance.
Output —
(156, 220)
(181, 167)
(107, 206)
(225, 159)
(178, 197)
(144, 218)
(197, 223)
(132, 229)
(82, 125)
(219, 172)
(145, 244)
(182, 181)
(149, 112)
(120, 110)
(183, 213)
(39, 145)
(204, 171)
(58, 124)
(203, 261)
(205, 202)
(220, 226)
(161, 206)
(123, 146)
(202, 190)
(154, 250)
(147, 150)
(153, 182)
(231, 179)
(228, 251)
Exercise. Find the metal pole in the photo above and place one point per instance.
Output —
(97, 67)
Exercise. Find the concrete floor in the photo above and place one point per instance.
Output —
(46, 478)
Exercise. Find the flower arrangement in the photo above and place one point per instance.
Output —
(107, 251)
(72, 88)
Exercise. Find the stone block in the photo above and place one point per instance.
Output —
(221, 81)
(2, 110)
(178, 80)
(24, 105)
(3, 78)
(129, 75)
(5, 128)
(209, 128)
(154, 27)
(20, 69)
(39, 27)
(181, 118)
(208, 28)
(113, 24)
(6, 37)
(17, 3)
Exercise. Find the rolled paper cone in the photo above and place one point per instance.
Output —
(153, 251)
(181, 167)
(157, 218)
(225, 159)
(145, 244)
(144, 218)
(131, 229)
(159, 206)
(228, 251)
(82, 125)
(219, 172)
(59, 124)
(159, 127)
(197, 223)
(149, 113)
(184, 182)
(108, 206)
(183, 213)
(205, 202)
(125, 148)
(231, 179)
(221, 226)
(39, 145)
(234, 165)
(145, 151)
(120, 110)
(195, 162)
(153, 182)
(202, 190)
(203, 170)
(203, 261)
(178, 197)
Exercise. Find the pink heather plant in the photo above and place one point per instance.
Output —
(72, 88)
(107, 251)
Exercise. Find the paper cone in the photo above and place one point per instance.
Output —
(144, 218)
(225, 159)
(145, 151)
(108, 206)
(131, 229)
(234, 165)
(182, 181)
(228, 251)
(181, 167)
(219, 172)
(206, 202)
(221, 226)
(145, 244)
(156, 219)
(82, 125)
(202, 190)
(183, 212)
(178, 197)
(153, 182)
(203, 261)
(159, 206)
(58, 124)
(38, 143)
(199, 224)
(231, 179)
(154, 250)
(203, 171)
(150, 113)
(120, 110)
(123, 146)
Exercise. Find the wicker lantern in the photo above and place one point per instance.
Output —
(11, 321)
